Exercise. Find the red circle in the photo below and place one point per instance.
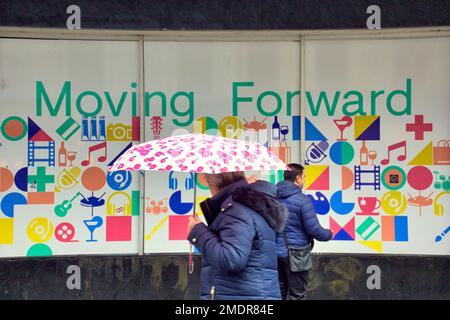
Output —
(14, 128)
(420, 178)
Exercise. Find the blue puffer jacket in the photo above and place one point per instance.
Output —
(239, 245)
(302, 224)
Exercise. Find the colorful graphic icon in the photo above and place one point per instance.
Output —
(393, 203)
(339, 206)
(39, 250)
(118, 228)
(439, 207)
(441, 153)
(321, 204)
(119, 132)
(178, 226)
(394, 228)
(343, 124)
(368, 205)
(367, 128)
(393, 178)
(419, 127)
(442, 235)
(394, 147)
(119, 180)
(93, 130)
(68, 129)
(14, 128)
(62, 209)
(67, 179)
(9, 202)
(40, 230)
(312, 133)
(65, 232)
(177, 206)
(317, 177)
(157, 206)
(424, 157)
(374, 174)
(230, 127)
(6, 231)
(92, 224)
(316, 153)
(342, 153)
(41, 148)
(41, 178)
(441, 181)
(345, 233)
(368, 228)
(94, 148)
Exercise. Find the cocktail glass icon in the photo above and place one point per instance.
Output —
(93, 224)
(342, 124)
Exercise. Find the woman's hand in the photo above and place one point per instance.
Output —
(193, 220)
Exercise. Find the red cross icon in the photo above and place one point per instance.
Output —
(419, 127)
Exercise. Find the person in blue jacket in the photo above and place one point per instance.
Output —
(238, 245)
(302, 227)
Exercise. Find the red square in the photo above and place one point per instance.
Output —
(118, 228)
(178, 226)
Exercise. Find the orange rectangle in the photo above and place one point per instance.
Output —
(388, 228)
(40, 198)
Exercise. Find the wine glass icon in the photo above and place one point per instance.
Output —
(284, 131)
(71, 155)
(372, 156)
(343, 123)
(93, 224)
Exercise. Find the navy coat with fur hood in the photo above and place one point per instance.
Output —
(239, 245)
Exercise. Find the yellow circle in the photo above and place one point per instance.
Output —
(394, 203)
(230, 127)
(40, 230)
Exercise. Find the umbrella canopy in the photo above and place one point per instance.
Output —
(198, 153)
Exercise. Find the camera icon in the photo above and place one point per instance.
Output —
(394, 178)
(118, 132)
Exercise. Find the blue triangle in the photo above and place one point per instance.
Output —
(342, 235)
(312, 133)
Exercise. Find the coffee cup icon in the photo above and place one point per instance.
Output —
(368, 205)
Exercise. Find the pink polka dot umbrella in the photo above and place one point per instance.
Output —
(198, 153)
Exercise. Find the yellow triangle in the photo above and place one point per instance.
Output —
(312, 173)
(424, 157)
(362, 123)
(375, 245)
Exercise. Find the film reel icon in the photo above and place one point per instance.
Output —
(40, 230)
(65, 232)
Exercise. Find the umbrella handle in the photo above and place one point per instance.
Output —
(194, 214)
(190, 261)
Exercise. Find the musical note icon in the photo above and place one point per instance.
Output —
(93, 148)
(395, 146)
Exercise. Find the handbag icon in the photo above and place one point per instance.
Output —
(441, 153)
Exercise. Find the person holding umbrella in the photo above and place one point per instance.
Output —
(239, 244)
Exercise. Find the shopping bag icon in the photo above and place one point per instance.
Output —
(441, 153)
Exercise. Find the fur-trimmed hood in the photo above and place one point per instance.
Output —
(260, 196)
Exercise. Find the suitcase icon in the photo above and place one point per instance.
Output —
(441, 153)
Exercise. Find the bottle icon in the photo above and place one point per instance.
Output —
(276, 129)
(62, 155)
(364, 154)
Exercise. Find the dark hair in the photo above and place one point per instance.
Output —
(296, 170)
(221, 180)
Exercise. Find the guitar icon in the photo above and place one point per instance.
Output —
(62, 209)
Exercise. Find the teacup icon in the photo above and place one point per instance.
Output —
(368, 205)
